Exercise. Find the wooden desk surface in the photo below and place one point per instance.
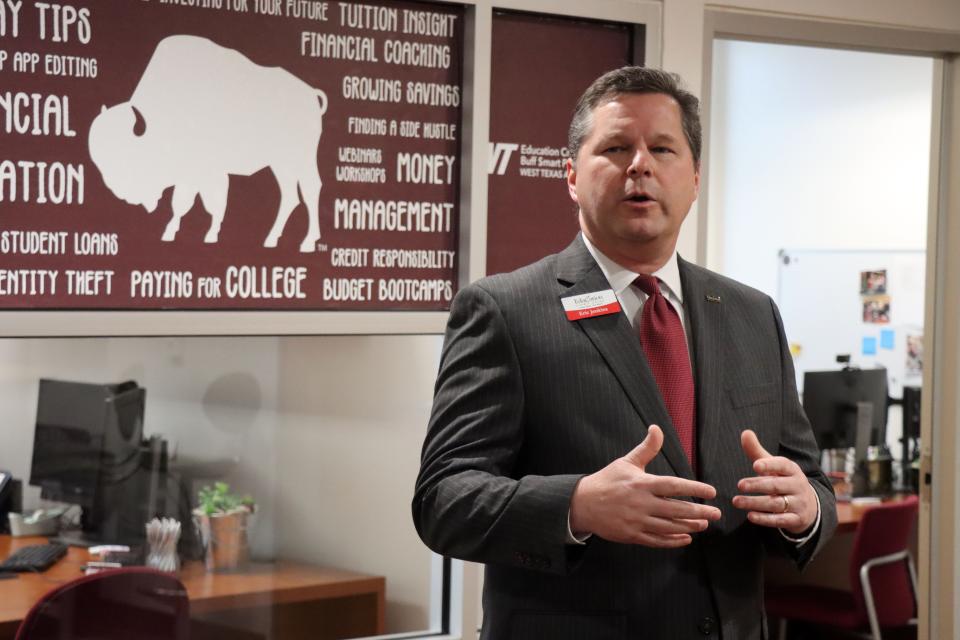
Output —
(259, 584)
(850, 513)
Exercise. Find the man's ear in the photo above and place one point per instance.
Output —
(572, 180)
(696, 182)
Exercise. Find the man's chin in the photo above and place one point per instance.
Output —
(643, 232)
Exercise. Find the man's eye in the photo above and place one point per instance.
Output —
(662, 150)
(614, 149)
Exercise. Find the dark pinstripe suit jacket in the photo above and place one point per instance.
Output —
(527, 402)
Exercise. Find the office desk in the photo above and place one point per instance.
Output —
(275, 600)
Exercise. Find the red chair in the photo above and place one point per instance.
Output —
(133, 602)
(882, 578)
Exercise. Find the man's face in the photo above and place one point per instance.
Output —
(635, 178)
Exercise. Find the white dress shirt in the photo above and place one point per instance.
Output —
(632, 298)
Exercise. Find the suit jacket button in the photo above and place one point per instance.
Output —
(707, 626)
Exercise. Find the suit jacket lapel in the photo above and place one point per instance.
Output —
(704, 307)
(615, 339)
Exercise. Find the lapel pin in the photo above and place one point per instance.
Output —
(713, 298)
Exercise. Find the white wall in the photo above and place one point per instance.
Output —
(814, 149)
(355, 411)
(683, 39)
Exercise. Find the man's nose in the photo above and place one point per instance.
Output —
(640, 162)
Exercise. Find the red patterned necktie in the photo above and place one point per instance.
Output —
(665, 344)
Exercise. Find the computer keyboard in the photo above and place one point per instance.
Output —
(36, 557)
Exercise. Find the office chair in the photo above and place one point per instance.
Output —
(133, 602)
(882, 578)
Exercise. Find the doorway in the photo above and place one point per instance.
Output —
(819, 190)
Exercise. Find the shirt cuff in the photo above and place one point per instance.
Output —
(572, 539)
(797, 541)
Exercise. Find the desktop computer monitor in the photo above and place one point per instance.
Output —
(830, 401)
(88, 450)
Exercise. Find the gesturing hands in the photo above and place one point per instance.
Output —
(624, 503)
(786, 500)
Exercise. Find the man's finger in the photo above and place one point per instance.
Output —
(776, 466)
(664, 526)
(681, 509)
(666, 541)
(752, 447)
(779, 520)
(647, 450)
(767, 504)
(769, 485)
(673, 487)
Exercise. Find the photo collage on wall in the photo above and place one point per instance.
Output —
(875, 300)
(873, 293)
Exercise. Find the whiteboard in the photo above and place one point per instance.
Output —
(819, 295)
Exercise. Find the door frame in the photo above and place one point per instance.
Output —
(939, 533)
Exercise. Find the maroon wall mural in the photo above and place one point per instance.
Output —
(229, 154)
(540, 67)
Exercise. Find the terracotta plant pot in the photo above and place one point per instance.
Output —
(224, 539)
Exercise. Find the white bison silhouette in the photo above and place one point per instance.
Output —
(200, 113)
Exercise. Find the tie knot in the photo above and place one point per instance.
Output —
(648, 284)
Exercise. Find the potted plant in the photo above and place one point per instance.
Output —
(222, 518)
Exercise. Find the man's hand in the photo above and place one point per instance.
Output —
(624, 503)
(786, 500)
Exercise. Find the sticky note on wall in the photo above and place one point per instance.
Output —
(886, 338)
(869, 347)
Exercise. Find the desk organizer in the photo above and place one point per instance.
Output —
(42, 526)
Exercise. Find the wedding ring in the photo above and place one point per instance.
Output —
(786, 504)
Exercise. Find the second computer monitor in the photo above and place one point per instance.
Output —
(87, 451)
(830, 401)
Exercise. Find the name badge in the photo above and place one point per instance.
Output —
(589, 305)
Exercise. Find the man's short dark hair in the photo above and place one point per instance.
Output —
(636, 80)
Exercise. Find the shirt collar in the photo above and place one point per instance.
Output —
(620, 278)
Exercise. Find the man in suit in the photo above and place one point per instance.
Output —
(616, 432)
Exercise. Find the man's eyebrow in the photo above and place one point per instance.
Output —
(658, 138)
(613, 135)
(663, 137)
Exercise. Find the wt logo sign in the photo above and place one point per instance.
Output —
(500, 153)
